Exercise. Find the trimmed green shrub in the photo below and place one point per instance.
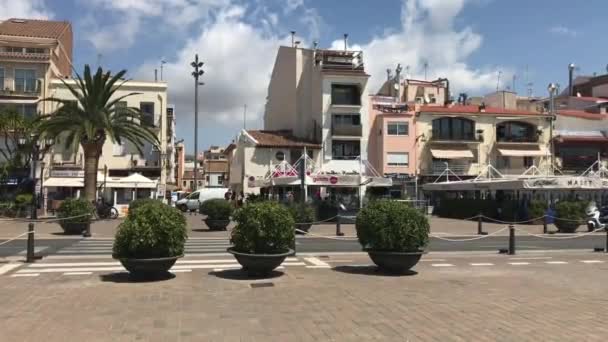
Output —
(327, 209)
(216, 209)
(263, 228)
(72, 207)
(139, 202)
(392, 226)
(302, 212)
(537, 208)
(154, 230)
(569, 215)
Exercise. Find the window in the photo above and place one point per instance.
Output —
(345, 149)
(528, 162)
(345, 94)
(147, 111)
(28, 110)
(453, 129)
(185, 184)
(398, 128)
(515, 131)
(347, 119)
(35, 50)
(280, 155)
(25, 80)
(193, 195)
(1, 79)
(13, 49)
(220, 180)
(398, 158)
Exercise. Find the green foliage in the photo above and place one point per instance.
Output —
(537, 208)
(392, 226)
(139, 202)
(154, 230)
(570, 215)
(216, 209)
(302, 212)
(23, 200)
(327, 209)
(263, 228)
(255, 198)
(13, 154)
(75, 207)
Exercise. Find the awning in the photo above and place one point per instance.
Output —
(64, 182)
(452, 153)
(536, 151)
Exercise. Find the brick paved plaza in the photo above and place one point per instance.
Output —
(553, 296)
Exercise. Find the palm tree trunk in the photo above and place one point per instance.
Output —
(91, 162)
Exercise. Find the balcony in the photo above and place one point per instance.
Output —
(457, 139)
(459, 168)
(337, 60)
(518, 139)
(346, 130)
(23, 91)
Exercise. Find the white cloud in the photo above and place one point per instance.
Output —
(428, 34)
(30, 9)
(238, 61)
(130, 16)
(563, 30)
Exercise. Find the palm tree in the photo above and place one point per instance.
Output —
(93, 118)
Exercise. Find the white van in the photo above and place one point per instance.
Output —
(194, 200)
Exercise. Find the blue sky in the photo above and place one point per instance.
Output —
(469, 41)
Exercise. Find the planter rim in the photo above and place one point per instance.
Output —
(377, 251)
(147, 259)
(234, 252)
(208, 219)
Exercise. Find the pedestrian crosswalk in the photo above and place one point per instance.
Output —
(104, 246)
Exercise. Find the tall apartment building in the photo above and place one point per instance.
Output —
(321, 95)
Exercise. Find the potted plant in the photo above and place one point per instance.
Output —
(139, 202)
(218, 213)
(537, 209)
(262, 237)
(303, 215)
(150, 240)
(76, 214)
(393, 234)
(569, 215)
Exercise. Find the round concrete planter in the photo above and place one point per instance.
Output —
(151, 267)
(259, 264)
(217, 224)
(73, 228)
(566, 226)
(394, 262)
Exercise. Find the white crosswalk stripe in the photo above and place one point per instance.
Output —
(104, 247)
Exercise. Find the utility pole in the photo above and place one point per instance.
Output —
(198, 72)
(553, 89)
(162, 62)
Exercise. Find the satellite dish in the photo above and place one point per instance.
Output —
(396, 86)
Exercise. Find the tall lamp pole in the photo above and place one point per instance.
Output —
(198, 72)
(553, 89)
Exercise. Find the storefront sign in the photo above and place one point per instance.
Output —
(344, 180)
(566, 183)
(67, 173)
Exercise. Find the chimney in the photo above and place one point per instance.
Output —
(155, 75)
(571, 79)
(346, 42)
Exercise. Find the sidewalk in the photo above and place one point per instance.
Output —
(453, 299)
(197, 228)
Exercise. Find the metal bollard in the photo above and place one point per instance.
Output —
(511, 240)
(479, 225)
(338, 230)
(30, 243)
(545, 224)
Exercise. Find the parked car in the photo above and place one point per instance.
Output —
(193, 201)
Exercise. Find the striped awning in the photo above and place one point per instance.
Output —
(536, 151)
(452, 153)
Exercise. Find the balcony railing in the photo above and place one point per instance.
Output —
(346, 130)
(340, 60)
(521, 140)
(24, 92)
(459, 168)
(460, 138)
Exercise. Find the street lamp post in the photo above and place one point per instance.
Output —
(197, 65)
(553, 88)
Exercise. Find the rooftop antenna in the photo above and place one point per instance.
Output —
(245, 117)
(426, 67)
(513, 83)
(297, 43)
(345, 41)
(293, 38)
(498, 80)
(162, 62)
(389, 74)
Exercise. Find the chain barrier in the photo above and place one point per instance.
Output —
(317, 222)
(15, 238)
(469, 239)
(323, 236)
(47, 220)
(514, 222)
(572, 236)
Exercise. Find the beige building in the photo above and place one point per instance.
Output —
(467, 138)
